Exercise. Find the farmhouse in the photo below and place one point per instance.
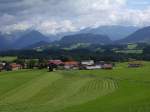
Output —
(107, 66)
(87, 62)
(93, 67)
(14, 66)
(100, 62)
(135, 64)
(71, 65)
(90, 65)
(55, 64)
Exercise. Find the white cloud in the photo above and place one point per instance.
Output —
(53, 27)
(57, 16)
(23, 26)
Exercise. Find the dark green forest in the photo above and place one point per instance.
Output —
(112, 52)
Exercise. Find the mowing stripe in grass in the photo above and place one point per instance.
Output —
(26, 91)
(8, 82)
(90, 92)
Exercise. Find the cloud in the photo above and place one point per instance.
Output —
(57, 16)
(23, 26)
(53, 27)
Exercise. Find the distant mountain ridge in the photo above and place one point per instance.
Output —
(115, 32)
(85, 38)
(140, 36)
(100, 35)
(30, 38)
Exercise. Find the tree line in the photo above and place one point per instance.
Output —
(105, 53)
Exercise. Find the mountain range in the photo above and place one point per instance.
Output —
(95, 36)
(88, 38)
(100, 35)
(114, 32)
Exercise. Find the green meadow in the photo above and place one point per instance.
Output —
(122, 89)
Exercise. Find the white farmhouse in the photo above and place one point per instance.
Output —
(87, 62)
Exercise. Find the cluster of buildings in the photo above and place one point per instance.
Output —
(67, 65)
(10, 67)
(83, 65)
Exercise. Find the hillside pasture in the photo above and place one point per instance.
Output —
(8, 58)
(130, 51)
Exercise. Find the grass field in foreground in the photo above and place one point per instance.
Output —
(120, 90)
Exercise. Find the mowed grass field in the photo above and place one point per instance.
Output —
(120, 90)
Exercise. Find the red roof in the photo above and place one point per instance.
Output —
(71, 63)
(56, 62)
(14, 65)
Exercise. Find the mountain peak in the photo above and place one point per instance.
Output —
(140, 36)
(30, 38)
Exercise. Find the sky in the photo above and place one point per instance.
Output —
(58, 16)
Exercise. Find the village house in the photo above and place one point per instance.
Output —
(55, 64)
(135, 64)
(14, 66)
(93, 67)
(100, 63)
(71, 65)
(90, 65)
(107, 66)
(87, 62)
